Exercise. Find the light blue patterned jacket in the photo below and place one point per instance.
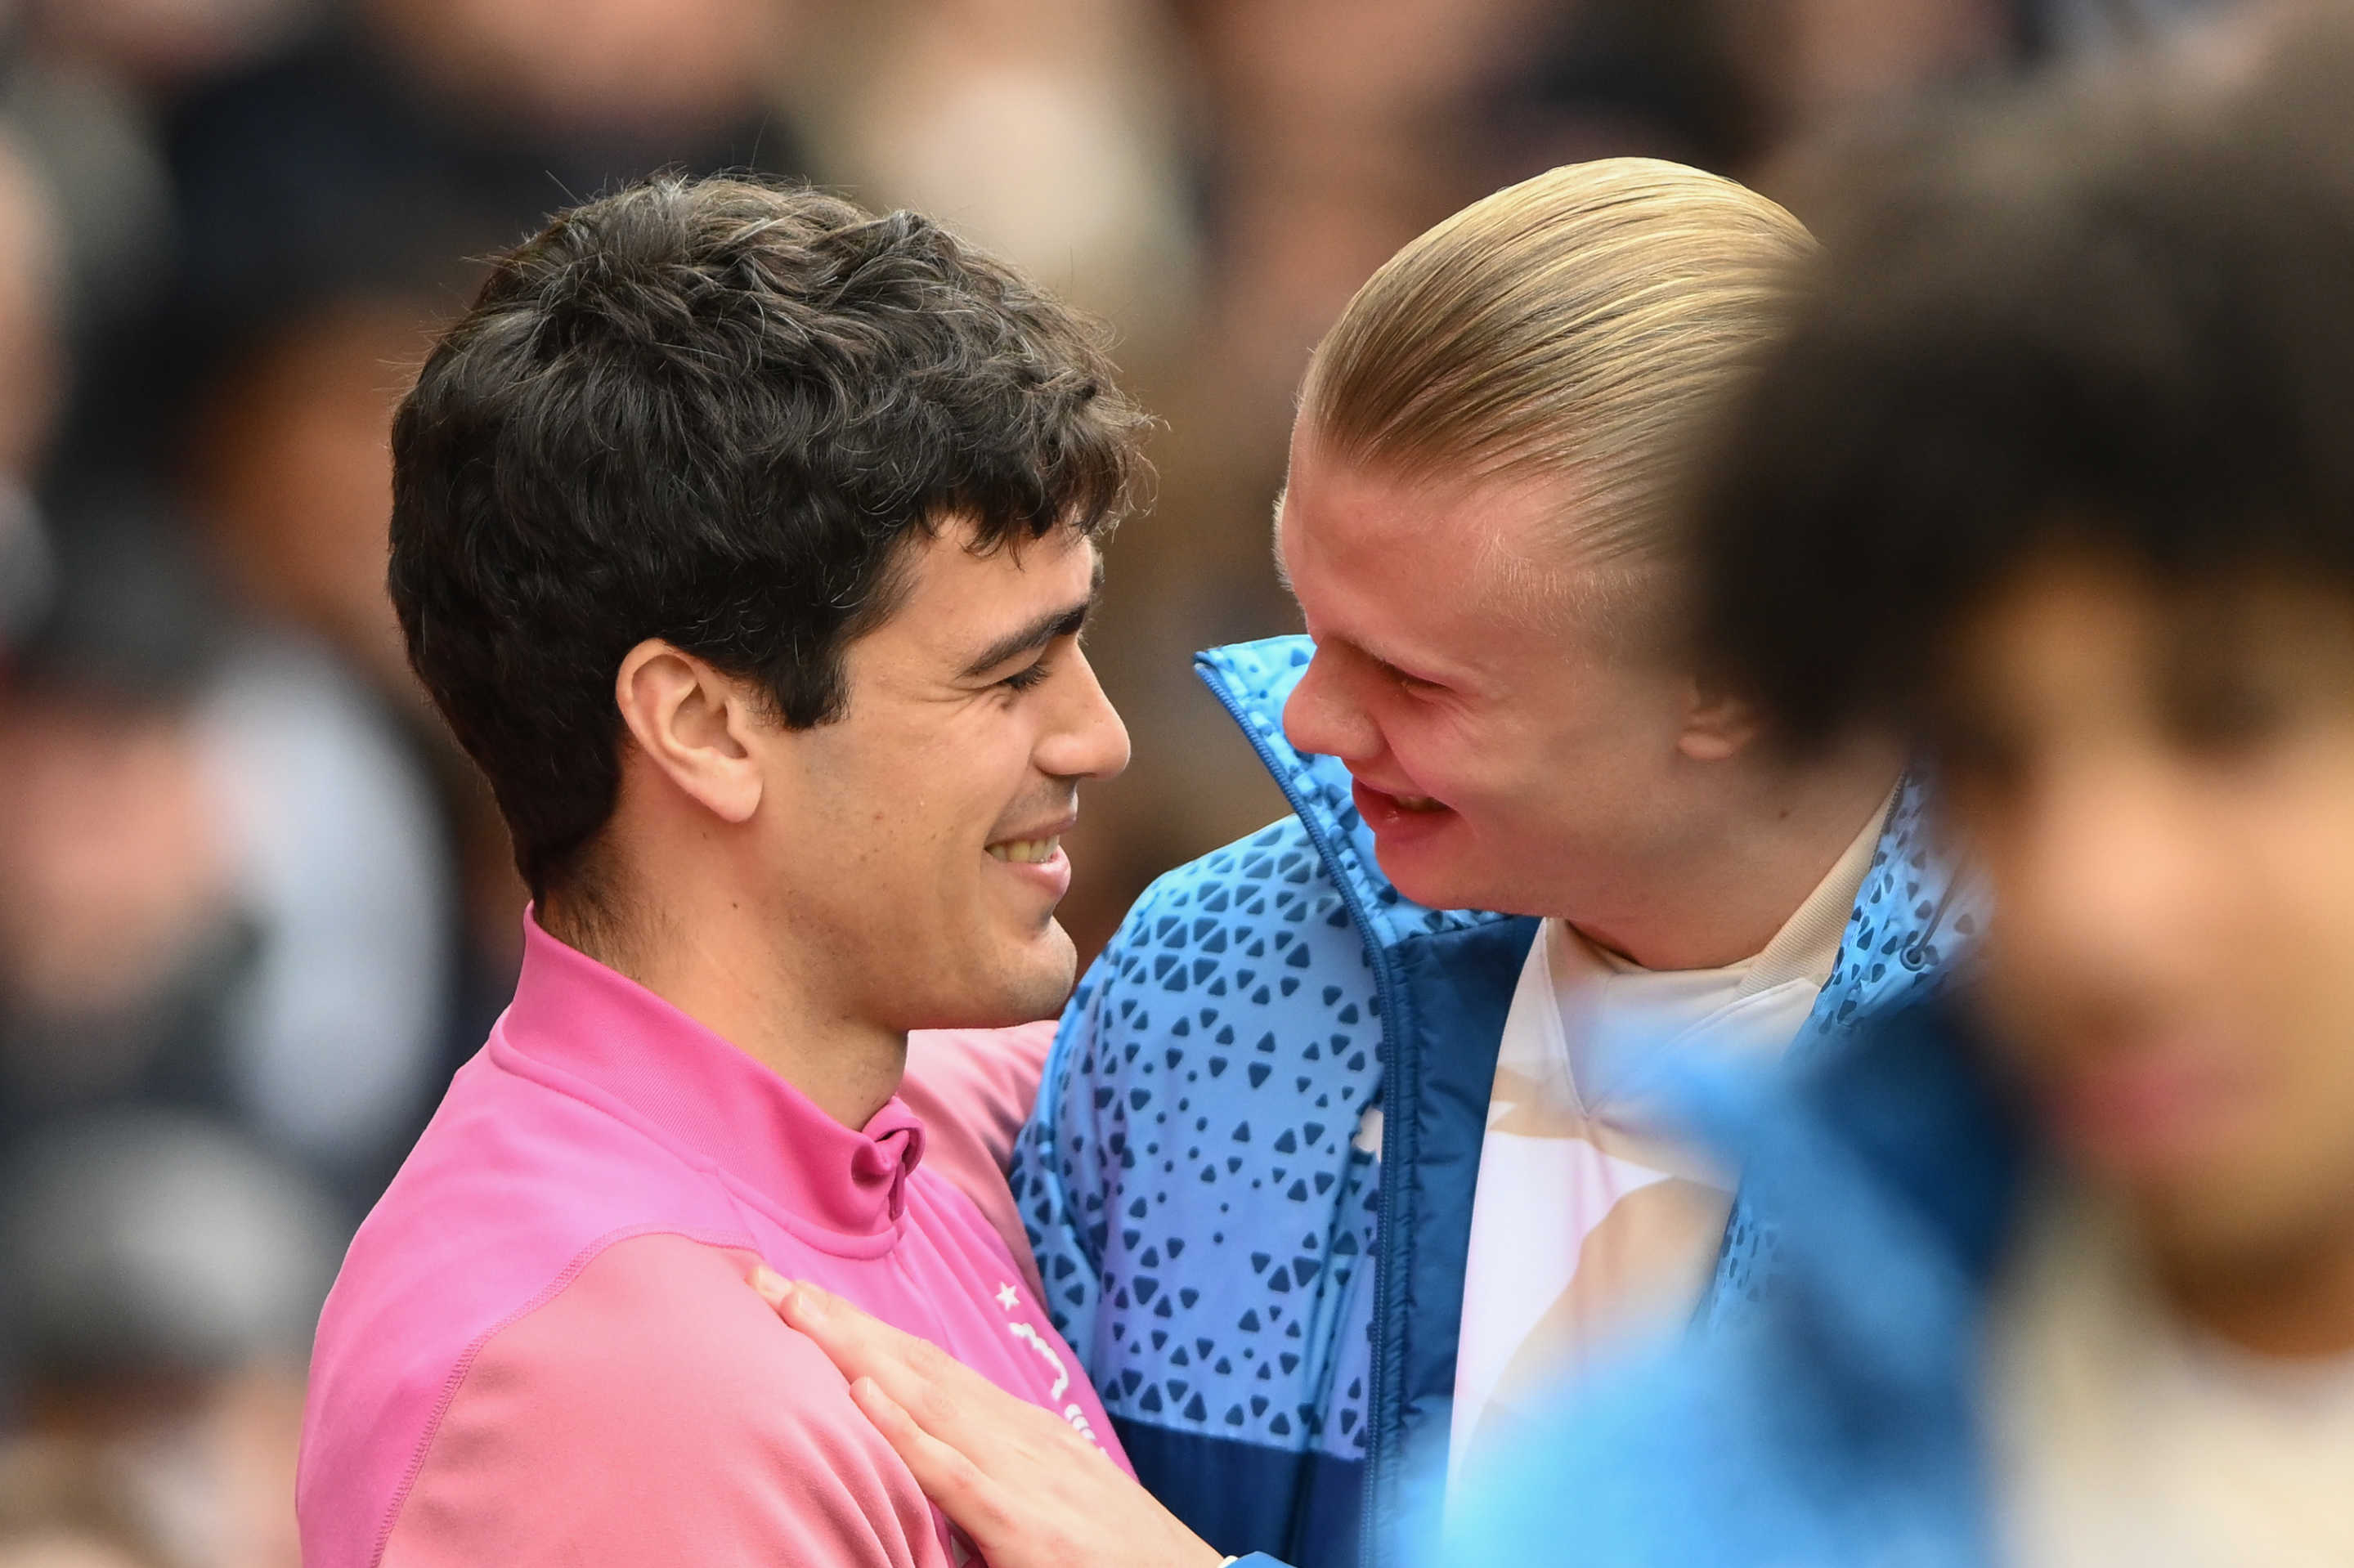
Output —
(1264, 1285)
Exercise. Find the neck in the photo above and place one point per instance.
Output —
(694, 944)
(1746, 863)
(2299, 1305)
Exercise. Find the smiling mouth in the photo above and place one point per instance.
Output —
(1026, 852)
(1418, 803)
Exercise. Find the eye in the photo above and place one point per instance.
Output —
(1026, 677)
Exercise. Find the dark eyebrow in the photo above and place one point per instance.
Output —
(1045, 629)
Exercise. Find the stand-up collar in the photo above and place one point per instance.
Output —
(586, 1030)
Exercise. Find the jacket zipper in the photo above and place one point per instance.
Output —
(1397, 1132)
(1388, 1362)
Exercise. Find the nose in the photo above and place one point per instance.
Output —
(1087, 738)
(1323, 717)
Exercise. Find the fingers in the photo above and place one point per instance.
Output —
(953, 1481)
(860, 1344)
(997, 1465)
(951, 1399)
(1040, 1511)
(847, 1334)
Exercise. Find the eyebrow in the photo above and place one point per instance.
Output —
(1037, 634)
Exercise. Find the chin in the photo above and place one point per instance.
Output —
(1053, 970)
(1026, 982)
(1429, 880)
(1438, 883)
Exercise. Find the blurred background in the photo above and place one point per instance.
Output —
(253, 907)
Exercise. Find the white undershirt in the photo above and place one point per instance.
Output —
(2123, 1438)
(1589, 1230)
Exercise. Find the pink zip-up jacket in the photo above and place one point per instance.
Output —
(542, 1349)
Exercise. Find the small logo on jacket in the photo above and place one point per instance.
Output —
(1009, 1299)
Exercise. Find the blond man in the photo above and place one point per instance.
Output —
(1334, 1170)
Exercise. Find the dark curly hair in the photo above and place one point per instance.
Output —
(2099, 321)
(713, 411)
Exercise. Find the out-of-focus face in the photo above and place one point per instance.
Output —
(2160, 782)
(161, 43)
(918, 838)
(661, 67)
(1504, 760)
(294, 477)
(112, 849)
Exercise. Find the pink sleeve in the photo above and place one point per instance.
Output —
(652, 1415)
(974, 1089)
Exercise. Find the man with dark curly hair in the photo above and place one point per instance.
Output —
(744, 538)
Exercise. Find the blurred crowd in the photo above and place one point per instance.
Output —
(254, 906)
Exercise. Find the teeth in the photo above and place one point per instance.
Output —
(1027, 851)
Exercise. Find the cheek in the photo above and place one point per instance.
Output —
(962, 795)
(1448, 756)
(2294, 825)
(2292, 923)
(866, 816)
(2287, 967)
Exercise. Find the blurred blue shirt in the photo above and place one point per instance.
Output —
(1839, 1422)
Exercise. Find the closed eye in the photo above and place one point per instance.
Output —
(1027, 677)
(1410, 682)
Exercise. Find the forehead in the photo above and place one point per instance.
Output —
(948, 594)
(1373, 505)
(1438, 567)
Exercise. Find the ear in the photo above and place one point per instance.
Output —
(693, 724)
(1718, 726)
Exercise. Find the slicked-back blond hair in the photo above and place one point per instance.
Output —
(1583, 323)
